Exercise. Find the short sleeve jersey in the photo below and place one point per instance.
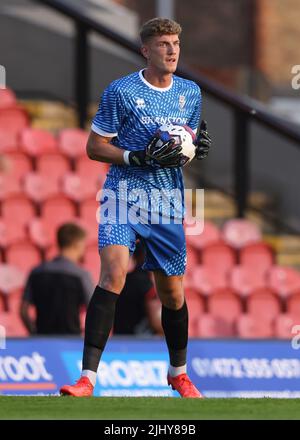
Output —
(131, 110)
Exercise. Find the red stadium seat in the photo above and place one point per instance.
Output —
(20, 165)
(17, 210)
(207, 279)
(253, 327)
(13, 119)
(58, 210)
(52, 252)
(7, 98)
(37, 142)
(284, 324)
(38, 187)
(92, 261)
(9, 186)
(284, 280)
(23, 255)
(257, 255)
(72, 142)
(11, 278)
(192, 260)
(78, 188)
(54, 165)
(41, 233)
(264, 304)
(87, 168)
(293, 304)
(224, 304)
(10, 234)
(8, 141)
(209, 326)
(210, 235)
(219, 256)
(88, 210)
(240, 232)
(13, 325)
(244, 279)
(195, 306)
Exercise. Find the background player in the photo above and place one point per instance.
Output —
(131, 110)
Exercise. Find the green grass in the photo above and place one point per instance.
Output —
(147, 408)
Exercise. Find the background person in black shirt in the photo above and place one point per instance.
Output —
(58, 288)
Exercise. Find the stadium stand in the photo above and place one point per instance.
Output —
(237, 282)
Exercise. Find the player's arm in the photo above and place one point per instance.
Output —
(99, 148)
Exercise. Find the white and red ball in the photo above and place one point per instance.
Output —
(183, 136)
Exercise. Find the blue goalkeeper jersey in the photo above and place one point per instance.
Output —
(130, 111)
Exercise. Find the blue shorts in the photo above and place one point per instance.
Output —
(164, 243)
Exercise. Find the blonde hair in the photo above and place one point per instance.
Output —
(158, 27)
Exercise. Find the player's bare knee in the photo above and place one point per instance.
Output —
(113, 279)
(172, 300)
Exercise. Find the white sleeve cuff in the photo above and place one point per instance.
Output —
(102, 132)
(126, 157)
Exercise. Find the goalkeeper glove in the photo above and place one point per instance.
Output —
(203, 142)
(157, 154)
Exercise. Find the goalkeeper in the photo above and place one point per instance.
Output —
(131, 110)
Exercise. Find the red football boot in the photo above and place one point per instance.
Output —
(82, 388)
(183, 384)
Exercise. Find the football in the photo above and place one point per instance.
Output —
(183, 136)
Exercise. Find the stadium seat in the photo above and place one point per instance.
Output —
(209, 326)
(264, 304)
(41, 233)
(195, 306)
(13, 325)
(53, 165)
(293, 304)
(11, 278)
(77, 188)
(7, 98)
(224, 304)
(72, 142)
(219, 255)
(17, 210)
(240, 232)
(9, 186)
(13, 119)
(284, 324)
(210, 235)
(284, 280)
(36, 142)
(207, 279)
(87, 168)
(253, 327)
(244, 279)
(10, 234)
(257, 255)
(88, 210)
(20, 165)
(192, 259)
(23, 255)
(8, 141)
(39, 187)
(58, 210)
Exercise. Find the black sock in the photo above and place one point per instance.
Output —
(175, 325)
(98, 323)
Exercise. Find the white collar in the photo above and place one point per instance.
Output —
(158, 89)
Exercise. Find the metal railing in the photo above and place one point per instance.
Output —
(244, 109)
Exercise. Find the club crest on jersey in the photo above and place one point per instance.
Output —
(182, 101)
(140, 103)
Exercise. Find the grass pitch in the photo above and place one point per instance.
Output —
(146, 408)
